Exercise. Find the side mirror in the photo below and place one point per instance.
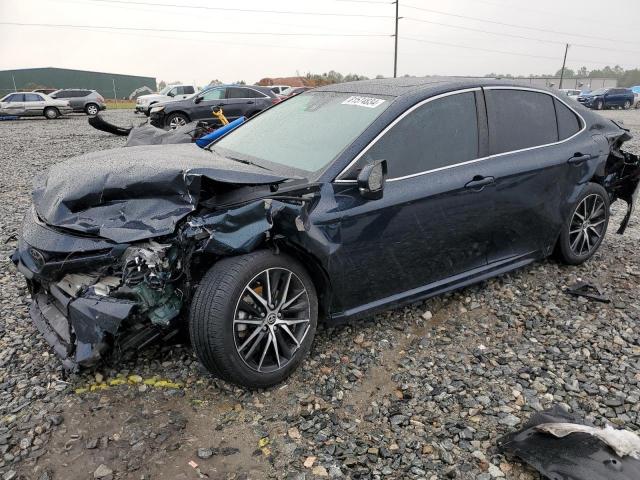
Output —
(198, 99)
(371, 179)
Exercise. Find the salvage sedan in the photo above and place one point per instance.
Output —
(333, 205)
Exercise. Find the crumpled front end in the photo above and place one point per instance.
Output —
(86, 291)
(93, 297)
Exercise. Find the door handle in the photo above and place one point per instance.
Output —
(479, 182)
(250, 102)
(578, 158)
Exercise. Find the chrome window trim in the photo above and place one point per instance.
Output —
(474, 89)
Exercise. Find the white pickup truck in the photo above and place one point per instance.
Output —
(168, 93)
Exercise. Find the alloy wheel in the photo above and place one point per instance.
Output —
(177, 122)
(271, 320)
(92, 110)
(587, 225)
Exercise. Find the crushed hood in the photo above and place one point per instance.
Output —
(132, 194)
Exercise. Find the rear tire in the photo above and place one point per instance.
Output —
(232, 325)
(91, 109)
(51, 113)
(584, 230)
(599, 105)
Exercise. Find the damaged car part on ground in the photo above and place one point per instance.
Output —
(562, 446)
(201, 133)
(368, 195)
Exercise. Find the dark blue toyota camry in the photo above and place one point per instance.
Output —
(336, 203)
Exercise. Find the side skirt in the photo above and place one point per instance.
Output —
(436, 288)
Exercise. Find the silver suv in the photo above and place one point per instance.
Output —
(87, 101)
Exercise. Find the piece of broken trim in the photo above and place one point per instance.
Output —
(624, 442)
(579, 454)
(584, 289)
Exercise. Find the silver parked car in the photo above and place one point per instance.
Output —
(87, 101)
(32, 104)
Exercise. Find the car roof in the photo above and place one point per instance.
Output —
(398, 87)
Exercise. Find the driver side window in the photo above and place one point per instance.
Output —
(215, 94)
(439, 133)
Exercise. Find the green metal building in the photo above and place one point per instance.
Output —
(109, 85)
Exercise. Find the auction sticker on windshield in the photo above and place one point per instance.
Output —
(369, 102)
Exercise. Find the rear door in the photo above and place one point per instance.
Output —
(538, 159)
(434, 220)
(33, 104)
(14, 105)
(243, 101)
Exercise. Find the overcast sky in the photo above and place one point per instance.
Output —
(201, 57)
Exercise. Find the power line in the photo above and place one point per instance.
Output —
(218, 42)
(170, 30)
(513, 35)
(519, 54)
(366, 1)
(544, 30)
(242, 10)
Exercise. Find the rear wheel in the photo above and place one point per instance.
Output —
(51, 112)
(176, 120)
(91, 109)
(253, 318)
(599, 105)
(585, 229)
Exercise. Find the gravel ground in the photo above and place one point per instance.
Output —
(418, 392)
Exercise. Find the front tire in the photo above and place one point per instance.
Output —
(584, 230)
(253, 318)
(176, 120)
(51, 113)
(627, 105)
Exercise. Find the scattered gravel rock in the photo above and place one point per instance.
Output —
(422, 391)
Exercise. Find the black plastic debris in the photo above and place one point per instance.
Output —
(574, 456)
(591, 291)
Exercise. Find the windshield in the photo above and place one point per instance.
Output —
(166, 89)
(306, 132)
(600, 91)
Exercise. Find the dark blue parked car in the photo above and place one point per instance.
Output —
(335, 204)
(608, 98)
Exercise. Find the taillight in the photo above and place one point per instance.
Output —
(275, 100)
(100, 98)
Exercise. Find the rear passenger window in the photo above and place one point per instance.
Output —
(187, 90)
(568, 122)
(438, 134)
(520, 119)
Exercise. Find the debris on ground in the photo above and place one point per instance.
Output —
(591, 291)
(561, 445)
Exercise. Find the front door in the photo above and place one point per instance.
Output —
(209, 99)
(434, 220)
(14, 105)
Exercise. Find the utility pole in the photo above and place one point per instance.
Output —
(15, 89)
(395, 52)
(564, 63)
(115, 95)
